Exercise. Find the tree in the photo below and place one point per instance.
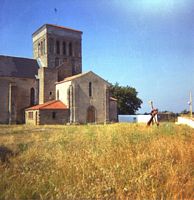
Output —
(127, 100)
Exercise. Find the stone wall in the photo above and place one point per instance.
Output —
(47, 79)
(45, 47)
(38, 41)
(62, 90)
(32, 117)
(81, 99)
(15, 98)
(48, 117)
(42, 117)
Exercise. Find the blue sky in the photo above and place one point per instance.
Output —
(146, 44)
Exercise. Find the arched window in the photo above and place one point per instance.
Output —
(64, 48)
(57, 47)
(70, 49)
(90, 89)
(32, 97)
(56, 62)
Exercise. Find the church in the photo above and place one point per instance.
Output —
(51, 88)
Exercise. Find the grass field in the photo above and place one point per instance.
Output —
(118, 161)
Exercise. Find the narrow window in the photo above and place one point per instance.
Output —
(43, 48)
(50, 93)
(57, 94)
(30, 115)
(53, 115)
(79, 50)
(56, 62)
(70, 49)
(51, 45)
(32, 96)
(58, 47)
(64, 48)
(39, 49)
(76, 49)
(68, 97)
(90, 89)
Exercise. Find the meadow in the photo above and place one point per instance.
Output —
(116, 161)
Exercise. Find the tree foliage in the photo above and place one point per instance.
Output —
(127, 100)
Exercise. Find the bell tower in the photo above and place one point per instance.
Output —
(55, 45)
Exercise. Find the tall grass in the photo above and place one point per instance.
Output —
(119, 161)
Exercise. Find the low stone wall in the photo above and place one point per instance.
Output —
(187, 121)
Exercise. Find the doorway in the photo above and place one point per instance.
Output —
(91, 115)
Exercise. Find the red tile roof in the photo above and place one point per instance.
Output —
(50, 105)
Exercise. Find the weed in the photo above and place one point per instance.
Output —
(117, 161)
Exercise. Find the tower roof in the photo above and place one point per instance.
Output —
(55, 26)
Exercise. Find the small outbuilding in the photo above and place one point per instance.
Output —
(51, 112)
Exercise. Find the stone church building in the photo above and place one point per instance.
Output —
(51, 88)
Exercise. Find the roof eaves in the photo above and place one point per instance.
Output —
(63, 27)
(72, 77)
(38, 30)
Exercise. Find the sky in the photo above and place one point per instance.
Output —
(145, 44)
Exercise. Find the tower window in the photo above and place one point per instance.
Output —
(76, 51)
(64, 48)
(51, 45)
(56, 62)
(39, 49)
(90, 89)
(79, 49)
(58, 47)
(32, 96)
(70, 49)
(43, 47)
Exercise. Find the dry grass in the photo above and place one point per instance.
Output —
(119, 161)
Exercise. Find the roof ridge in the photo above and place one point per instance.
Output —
(17, 57)
(72, 77)
(64, 27)
(53, 25)
(48, 103)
